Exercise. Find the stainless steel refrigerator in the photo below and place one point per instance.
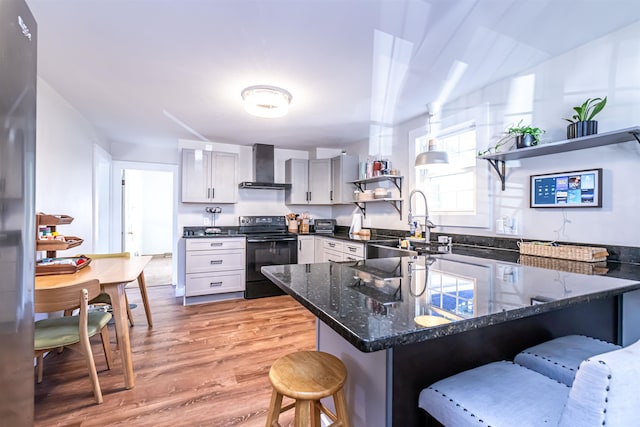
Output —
(17, 223)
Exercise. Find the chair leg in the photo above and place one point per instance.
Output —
(275, 407)
(129, 314)
(106, 346)
(145, 298)
(40, 366)
(85, 345)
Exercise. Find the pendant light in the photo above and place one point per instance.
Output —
(432, 156)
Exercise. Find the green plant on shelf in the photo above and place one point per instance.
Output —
(521, 130)
(512, 132)
(588, 110)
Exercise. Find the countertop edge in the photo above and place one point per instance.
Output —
(368, 346)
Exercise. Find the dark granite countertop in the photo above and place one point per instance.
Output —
(351, 237)
(374, 303)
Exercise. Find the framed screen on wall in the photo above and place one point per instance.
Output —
(576, 189)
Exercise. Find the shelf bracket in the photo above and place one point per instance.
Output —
(636, 135)
(397, 204)
(362, 207)
(499, 166)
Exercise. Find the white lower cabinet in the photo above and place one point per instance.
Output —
(338, 250)
(214, 266)
(306, 249)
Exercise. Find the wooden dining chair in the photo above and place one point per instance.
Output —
(104, 298)
(54, 333)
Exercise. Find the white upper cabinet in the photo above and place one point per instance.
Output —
(209, 176)
(296, 173)
(344, 170)
(310, 182)
(320, 182)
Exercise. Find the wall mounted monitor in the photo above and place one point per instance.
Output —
(576, 189)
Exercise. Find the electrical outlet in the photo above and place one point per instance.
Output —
(207, 221)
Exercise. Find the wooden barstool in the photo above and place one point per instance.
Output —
(307, 377)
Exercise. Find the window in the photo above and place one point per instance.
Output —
(452, 294)
(451, 189)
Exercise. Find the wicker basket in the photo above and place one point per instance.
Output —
(576, 253)
(599, 267)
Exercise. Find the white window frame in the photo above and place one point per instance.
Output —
(428, 179)
(483, 203)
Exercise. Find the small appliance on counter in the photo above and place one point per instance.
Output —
(325, 226)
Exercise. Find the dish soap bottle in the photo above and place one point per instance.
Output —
(418, 232)
(412, 228)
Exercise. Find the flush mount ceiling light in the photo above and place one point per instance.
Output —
(266, 101)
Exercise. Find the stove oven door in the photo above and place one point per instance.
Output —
(263, 251)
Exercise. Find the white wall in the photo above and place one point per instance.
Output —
(64, 165)
(543, 96)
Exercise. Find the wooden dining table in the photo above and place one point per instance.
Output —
(113, 274)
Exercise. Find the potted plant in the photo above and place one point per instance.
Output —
(526, 136)
(582, 123)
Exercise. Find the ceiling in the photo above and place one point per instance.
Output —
(154, 71)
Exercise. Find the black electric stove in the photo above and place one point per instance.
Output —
(268, 243)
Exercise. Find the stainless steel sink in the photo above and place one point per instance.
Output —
(387, 250)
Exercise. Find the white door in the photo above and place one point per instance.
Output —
(148, 212)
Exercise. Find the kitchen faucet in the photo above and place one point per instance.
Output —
(428, 225)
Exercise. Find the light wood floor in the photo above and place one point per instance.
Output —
(203, 365)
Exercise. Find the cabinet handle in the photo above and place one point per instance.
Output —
(215, 284)
(300, 245)
(213, 193)
(215, 261)
(350, 258)
(208, 193)
(352, 248)
(308, 195)
(331, 195)
(333, 245)
(216, 244)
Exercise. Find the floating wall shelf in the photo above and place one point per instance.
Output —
(396, 203)
(497, 160)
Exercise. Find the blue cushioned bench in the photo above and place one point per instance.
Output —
(560, 358)
(605, 392)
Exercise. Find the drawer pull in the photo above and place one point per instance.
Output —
(352, 248)
(216, 244)
(333, 245)
(215, 261)
(350, 258)
(215, 284)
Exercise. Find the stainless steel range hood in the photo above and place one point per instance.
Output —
(263, 169)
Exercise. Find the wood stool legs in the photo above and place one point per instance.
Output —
(275, 408)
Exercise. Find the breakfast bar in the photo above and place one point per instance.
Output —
(399, 324)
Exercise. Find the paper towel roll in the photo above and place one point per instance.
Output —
(356, 223)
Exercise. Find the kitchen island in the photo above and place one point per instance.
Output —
(400, 324)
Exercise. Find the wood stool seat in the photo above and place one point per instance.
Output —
(307, 377)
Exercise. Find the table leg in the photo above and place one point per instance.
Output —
(145, 298)
(118, 303)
